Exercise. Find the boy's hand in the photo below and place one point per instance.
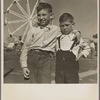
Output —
(79, 55)
(78, 36)
(26, 71)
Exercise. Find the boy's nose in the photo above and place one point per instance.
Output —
(65, 27)
(41, 17)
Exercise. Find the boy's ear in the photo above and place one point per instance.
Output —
(52, 16)
(73, 25)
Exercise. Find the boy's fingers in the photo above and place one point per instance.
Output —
(77, 59)
(26, 71)
(78, 36)
(26, 74)
(74, 37)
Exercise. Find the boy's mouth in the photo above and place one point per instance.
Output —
(42, 21)
(65, 31)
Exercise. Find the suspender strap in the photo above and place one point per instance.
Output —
(59, 42)
(75, 40)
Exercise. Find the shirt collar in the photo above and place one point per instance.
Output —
(47, 27)
(71, 33)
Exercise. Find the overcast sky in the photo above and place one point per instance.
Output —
(84, 12)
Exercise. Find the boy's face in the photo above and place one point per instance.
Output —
(66, 27)
(43, 17)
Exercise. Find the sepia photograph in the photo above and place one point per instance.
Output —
(50, 42)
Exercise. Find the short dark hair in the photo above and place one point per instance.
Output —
(66, 17)
(44, 6)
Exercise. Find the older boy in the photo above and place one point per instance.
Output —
(67, 56)
(39, 47)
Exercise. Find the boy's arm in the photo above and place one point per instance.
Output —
(57, 38)
(85, 49)
(23, 57)
(57, 46)
(23, 60)
(25, 48)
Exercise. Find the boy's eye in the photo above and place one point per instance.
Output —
(61, 25)
(67, 25)
(43, 14)
(38, 15)
(64, 25)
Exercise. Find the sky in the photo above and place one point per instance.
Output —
(84, 12)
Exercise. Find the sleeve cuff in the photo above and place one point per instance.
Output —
(23, 64)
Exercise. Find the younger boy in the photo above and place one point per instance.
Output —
(67, 55)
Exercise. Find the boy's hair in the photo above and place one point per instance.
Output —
(44, 6)
(66, 17)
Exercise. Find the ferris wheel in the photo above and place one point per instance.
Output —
(20, 17)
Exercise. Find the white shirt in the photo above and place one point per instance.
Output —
(66, 42)
(37, 38)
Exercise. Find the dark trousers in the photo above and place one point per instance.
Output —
(66, 67)
(39, 64)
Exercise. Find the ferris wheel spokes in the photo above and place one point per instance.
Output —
(10, 5)
(19, 28)
(28, 7)
(16, 21)
(22, 10)
(24, 35)
(34, 8)
(34, 16)
(17, 14)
